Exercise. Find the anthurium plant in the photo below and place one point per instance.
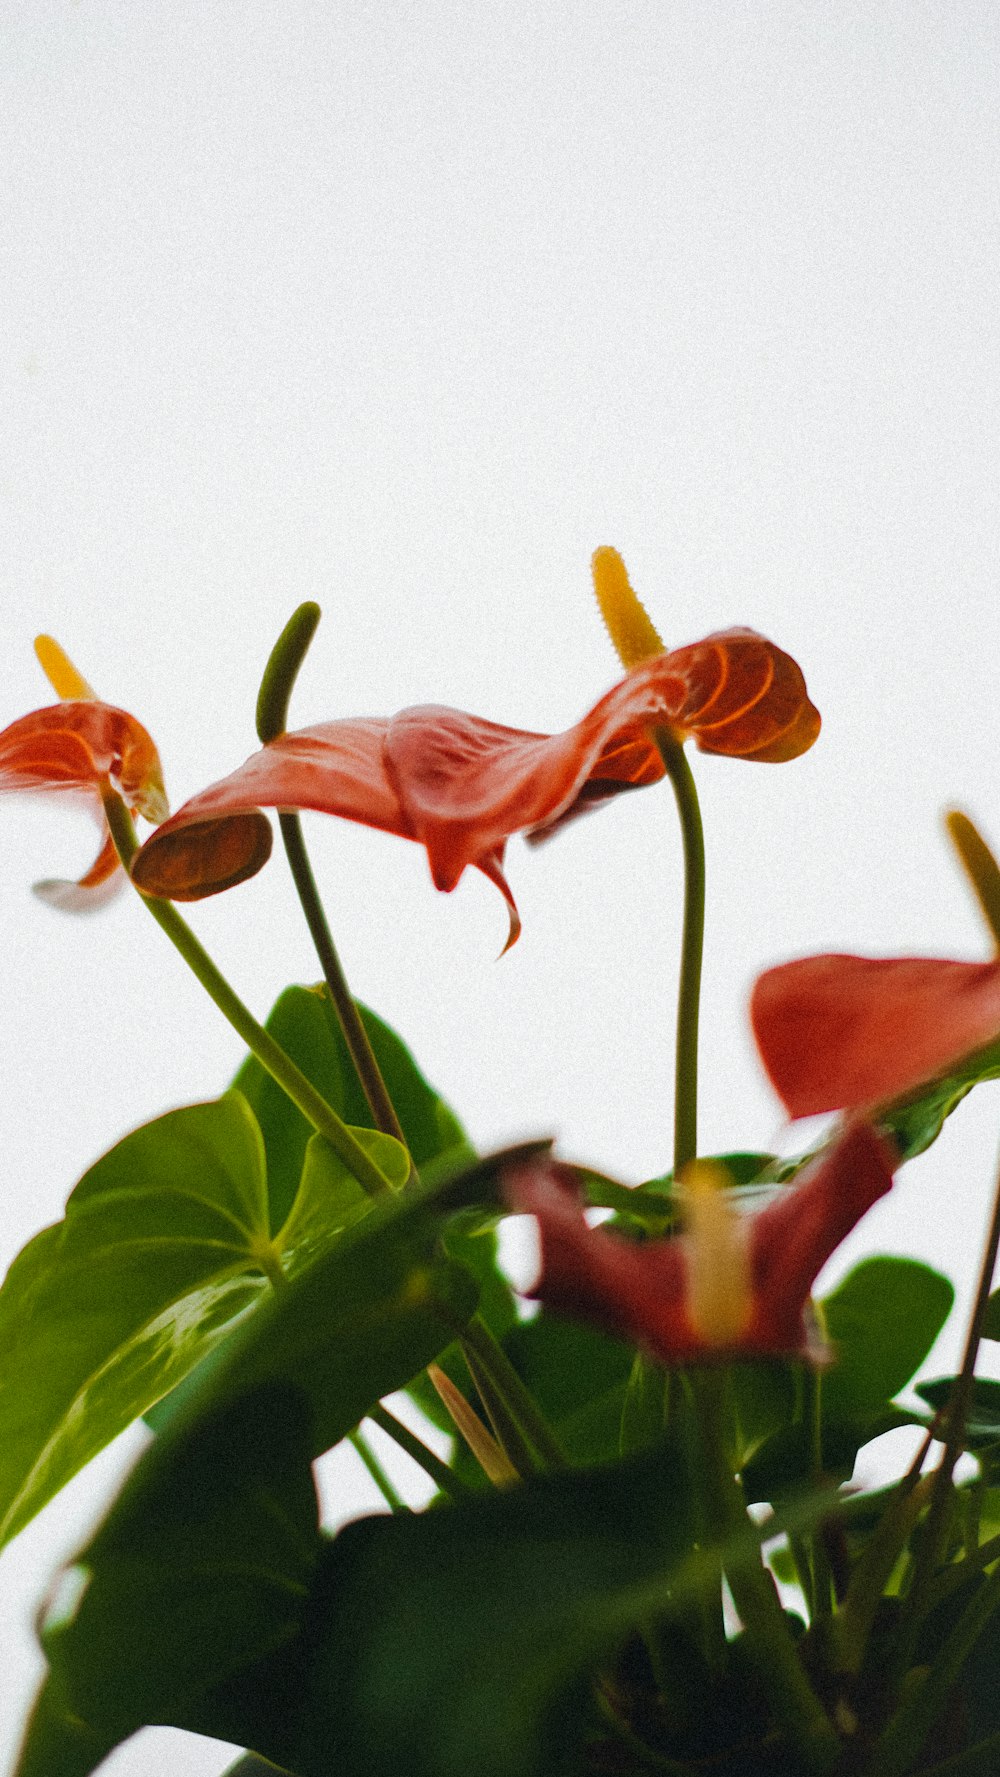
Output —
(644, 1550)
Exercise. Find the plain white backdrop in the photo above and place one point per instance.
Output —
(406, 307)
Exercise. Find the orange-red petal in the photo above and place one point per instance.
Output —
(838, 1032)
(76, 747)
(461, 785)
(641, 1291)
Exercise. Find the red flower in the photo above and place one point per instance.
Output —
(838, 1032)
(730, 1283)
(461, 785)
(79, 746)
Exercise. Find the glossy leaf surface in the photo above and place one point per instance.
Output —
(212, 1604)
(982, 1425)
(356, 1324)
(349, 1328)
(407, 1655)
(199, 1577)
(166, 1247)
(303, 1021)
(917, 1122)
(882, 1320)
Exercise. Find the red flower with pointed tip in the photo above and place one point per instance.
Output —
(460, 785)
(729, 1284)
(77, 747)
(847, 1032)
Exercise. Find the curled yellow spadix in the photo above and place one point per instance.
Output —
(66, 681)
(632, 632)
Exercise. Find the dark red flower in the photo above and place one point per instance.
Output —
(730, 1283)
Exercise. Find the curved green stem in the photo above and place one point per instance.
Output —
(355, 1035)
(393, 1499)
(282, 670)
(682, 782)
(259, 1041)
(273, 698)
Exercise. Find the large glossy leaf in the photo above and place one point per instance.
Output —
(439, 1645)
(356, 1324)
(303, 1021)
(187, 1593)
(578, 1376)
(200, 1575)
(165, 1248)
(455, 1641)
(882, 1321)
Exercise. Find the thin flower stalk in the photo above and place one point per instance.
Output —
(273, 699)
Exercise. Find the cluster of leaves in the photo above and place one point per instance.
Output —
(555, 1626)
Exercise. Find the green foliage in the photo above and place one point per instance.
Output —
(578, 1377)
(881, 1321)
(165, 1247)
(652, 1207)
(305, 1024)
(211, 1603)
(358, 1323)
(197, 1583)
(917, 1122)
(409, 1657)
(991, 1319)
(982, 1422)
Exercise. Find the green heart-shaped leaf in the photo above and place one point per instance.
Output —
(165, 1248)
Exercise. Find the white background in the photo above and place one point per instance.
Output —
(405, 308)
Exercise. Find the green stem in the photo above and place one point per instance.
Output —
(796, 1709)
(443, 1477)
(678, 770)
(273, 698)
(822, 1572)
(259, 1041)
(397, 1505)
(955, 1577)
(935, 1531)
(344, 1004)
(705, 1415)
(512, 1439)
(518, 1402)
(282, 670)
